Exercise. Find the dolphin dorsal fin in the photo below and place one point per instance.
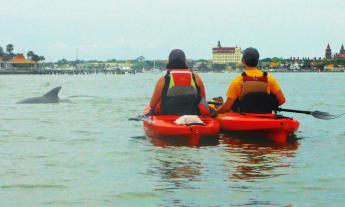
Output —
(53, 93)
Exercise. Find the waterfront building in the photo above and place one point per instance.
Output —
(19, 61)
(328, 53)
(341, 54)
(329, 67)
(226, 55)
(125, 65)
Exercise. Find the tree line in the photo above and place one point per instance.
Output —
(8, 54)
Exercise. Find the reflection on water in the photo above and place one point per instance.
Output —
(179, 141)
(257, 159)
(177, 173)
(228, 172)
(250, 158)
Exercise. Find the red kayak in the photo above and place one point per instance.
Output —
(165, 126)
(269, 126)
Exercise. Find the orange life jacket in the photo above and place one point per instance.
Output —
(181, 95)
(254, 97)
(253, 84)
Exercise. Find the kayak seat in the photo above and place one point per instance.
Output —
(256, 102)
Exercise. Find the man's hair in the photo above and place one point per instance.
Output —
(251, 62)
(251, 57)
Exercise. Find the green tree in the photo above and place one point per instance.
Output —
(35, 58)
(276, 59)
(266, 60)
(160, 64)
(9, 49)
(139, 66)
(306, 65)
(62, 62)
(140, 58)
(30, 54)
(42, 58)
(109, 61)
(2, 53)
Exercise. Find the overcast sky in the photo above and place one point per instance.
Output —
(126, 29)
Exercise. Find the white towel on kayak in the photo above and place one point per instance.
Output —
(188, 119)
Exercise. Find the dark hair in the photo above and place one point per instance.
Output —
(177, 64)
(177, 60)
(251, 62)
(251, 57)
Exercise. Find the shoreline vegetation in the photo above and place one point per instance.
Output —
(17, 64)
(119, 72)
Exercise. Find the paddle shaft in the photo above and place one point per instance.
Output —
(295, 111)
(279, 109)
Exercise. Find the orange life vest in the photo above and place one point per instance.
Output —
(181, 95)
(254, 97)
(253, 84)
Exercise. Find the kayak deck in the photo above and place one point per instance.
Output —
(270, 126)
(164, 126)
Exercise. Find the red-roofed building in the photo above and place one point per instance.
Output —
(19, 61)
(226, 55)
(341, 53)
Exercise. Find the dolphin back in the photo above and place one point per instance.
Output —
(50, 97)
(53, 93)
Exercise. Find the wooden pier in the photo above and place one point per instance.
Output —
(61, 72)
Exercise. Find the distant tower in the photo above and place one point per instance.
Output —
(342, 51)
(328, 52)
(219, 45)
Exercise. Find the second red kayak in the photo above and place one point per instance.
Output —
(164, 125)
(269, 126)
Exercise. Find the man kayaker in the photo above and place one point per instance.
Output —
(181, 91)
(254, 90)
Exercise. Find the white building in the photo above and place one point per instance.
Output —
(226, 55)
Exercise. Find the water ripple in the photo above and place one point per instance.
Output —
(32, 186)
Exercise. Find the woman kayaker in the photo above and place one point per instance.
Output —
(254, 90)
(180, 91)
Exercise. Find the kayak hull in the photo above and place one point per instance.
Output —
(164, 126)
(269, 126)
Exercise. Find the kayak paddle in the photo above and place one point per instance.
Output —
(316, 114)
(139, 117)
(142, 117)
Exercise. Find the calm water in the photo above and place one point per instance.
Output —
(86, 153)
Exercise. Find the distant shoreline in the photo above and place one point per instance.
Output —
(114, 72)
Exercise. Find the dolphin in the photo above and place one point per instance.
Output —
(50, 97)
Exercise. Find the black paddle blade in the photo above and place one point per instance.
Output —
(138, 118)
(325, 115)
